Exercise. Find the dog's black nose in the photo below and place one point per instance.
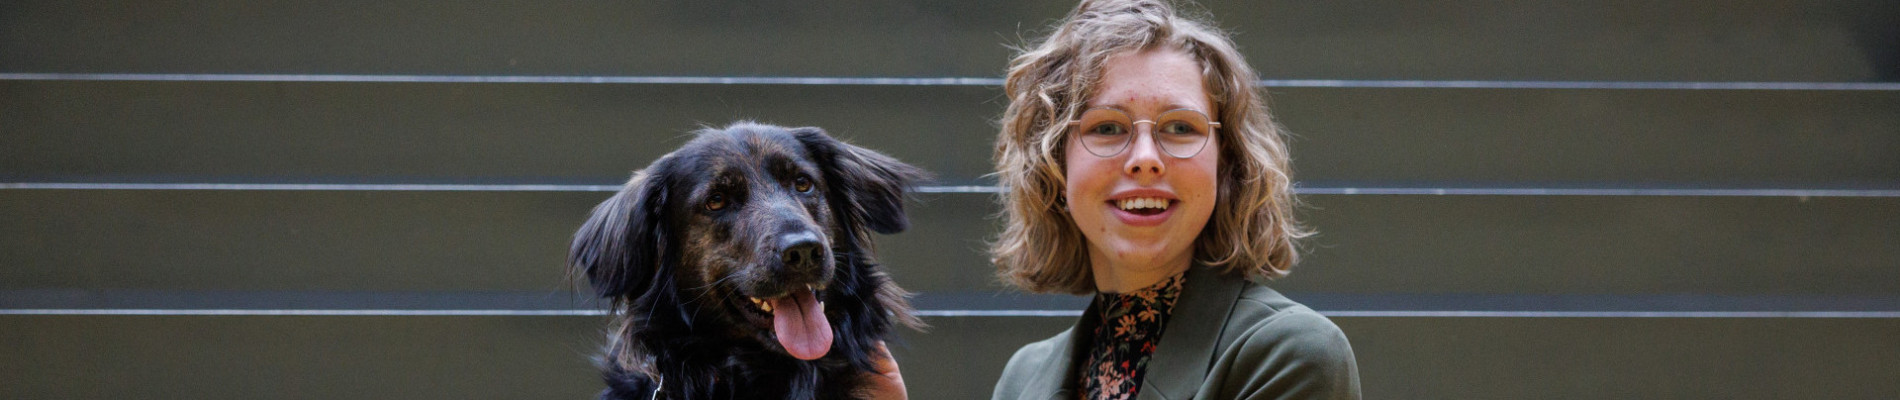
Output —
(800, 251)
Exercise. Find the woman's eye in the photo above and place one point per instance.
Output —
(802, 184)
(1109, 129)
(715, 202)
(1178, 128)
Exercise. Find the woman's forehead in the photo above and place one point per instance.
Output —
(1151, 80)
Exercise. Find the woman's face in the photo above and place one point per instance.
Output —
(1131, 242)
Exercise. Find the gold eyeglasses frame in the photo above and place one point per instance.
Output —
(1212, 128)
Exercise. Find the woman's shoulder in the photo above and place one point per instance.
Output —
(1271, 336)
(1265, 318)
(1040, 351)
(1029, 362)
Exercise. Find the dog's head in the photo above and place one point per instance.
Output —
(752, 232)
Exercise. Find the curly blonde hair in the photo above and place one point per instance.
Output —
(1040, 249)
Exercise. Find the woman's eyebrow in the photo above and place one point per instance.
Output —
(1168, 107)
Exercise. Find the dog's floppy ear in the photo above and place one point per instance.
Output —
(620, 247)
(866, 186)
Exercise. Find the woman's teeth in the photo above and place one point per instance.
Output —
(1133, 203)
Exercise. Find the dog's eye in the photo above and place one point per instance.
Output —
(802, 183)
(715, 202)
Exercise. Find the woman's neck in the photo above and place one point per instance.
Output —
(1114, 277)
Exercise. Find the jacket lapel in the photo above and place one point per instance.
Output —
(1180, 362)
(1058, 368)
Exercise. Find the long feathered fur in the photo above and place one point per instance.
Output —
(630, 251)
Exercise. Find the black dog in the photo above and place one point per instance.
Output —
(739, 267)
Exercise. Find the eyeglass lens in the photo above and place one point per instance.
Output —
(1181, 133)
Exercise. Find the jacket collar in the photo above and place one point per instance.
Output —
(1181, 360)
(1060, 366)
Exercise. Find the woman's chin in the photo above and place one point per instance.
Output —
(1144, 255)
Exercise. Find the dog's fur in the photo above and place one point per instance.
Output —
(679, 272)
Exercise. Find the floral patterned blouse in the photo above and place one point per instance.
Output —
(1125, 337)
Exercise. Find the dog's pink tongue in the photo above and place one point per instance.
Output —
(800, 324)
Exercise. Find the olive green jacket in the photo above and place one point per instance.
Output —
(1227, 338)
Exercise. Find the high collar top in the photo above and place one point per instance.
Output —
(1124, 339)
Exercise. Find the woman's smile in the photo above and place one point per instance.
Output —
(1144, 207)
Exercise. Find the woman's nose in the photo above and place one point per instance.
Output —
(1144, 155)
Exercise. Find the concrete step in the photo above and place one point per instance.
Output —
(270, 240)
(263, 132)
(422, 357)
(1625, 40)
(327, 357)
(1594, 358)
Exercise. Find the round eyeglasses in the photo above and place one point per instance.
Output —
(1181, 133)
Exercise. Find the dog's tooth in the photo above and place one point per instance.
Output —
(761, 303)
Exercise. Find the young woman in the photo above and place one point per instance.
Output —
(1139, 164)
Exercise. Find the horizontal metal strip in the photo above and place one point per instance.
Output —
(1614, 314)
(942, 81)
(466, 313)
(1603, 192)
(431, 301)
(1325, 190)
(399, 187)
(344, 313)
(1609, 85)
(965, 303)
(981, 313)
(664, 80)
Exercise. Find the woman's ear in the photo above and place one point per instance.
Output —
(619, 248)
(866, 187)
